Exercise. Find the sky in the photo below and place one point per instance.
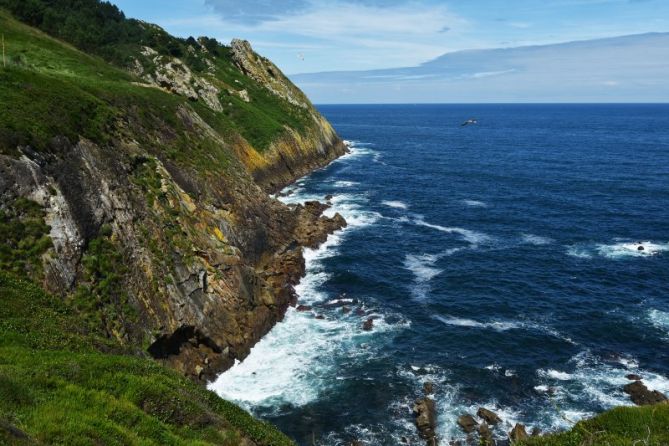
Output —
(306, 36)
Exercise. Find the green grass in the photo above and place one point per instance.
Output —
(63, 386)
(23, 232)
(622, 426)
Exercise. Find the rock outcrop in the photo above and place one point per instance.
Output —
(642, 396)
(426, 420)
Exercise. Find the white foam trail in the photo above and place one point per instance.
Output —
(395, 204)
(470, 236)
(422, 267)
(502, 326)
(464, 322)
(536, 239)
(475, 203)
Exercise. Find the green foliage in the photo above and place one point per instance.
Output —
(101, 299)
(94, 26)
(622, 426)
(25, 237)
(58, 387)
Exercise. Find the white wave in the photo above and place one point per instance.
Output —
(629, 249)
(475, 203)
(470, 236)
(422, 267)
(555, 374)
(660, 319)
(346, 183)
(463, 322)
(351, 207)
(395, 204)
(536, 239)
(579, 252)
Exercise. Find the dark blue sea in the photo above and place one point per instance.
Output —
(520, 264)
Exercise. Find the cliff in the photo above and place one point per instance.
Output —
(134, 177)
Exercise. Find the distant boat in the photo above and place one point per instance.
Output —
(469, 122)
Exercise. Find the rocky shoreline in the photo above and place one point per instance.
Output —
(480, 428)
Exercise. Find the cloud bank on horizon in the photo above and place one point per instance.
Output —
(307, 36)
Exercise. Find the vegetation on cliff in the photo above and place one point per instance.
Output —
(134, 170)
(622, 426)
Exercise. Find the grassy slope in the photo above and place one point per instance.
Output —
(59, 387)
(622, 426)
(55, 89)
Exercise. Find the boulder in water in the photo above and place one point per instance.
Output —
(633, 377)
(303, 308)
(489, 416)
(368, 324)
(642, 396)
(425, 411)
(467, 423)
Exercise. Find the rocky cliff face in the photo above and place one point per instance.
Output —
(162, 230)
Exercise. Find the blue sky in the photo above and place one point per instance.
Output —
(325, 35)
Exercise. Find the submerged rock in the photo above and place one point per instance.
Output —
(425, 411)
(489, 416)
(642, 396)
(368, 324)
(428, 388)
(467, 423)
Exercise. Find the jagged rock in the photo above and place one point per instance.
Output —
(633, 377)
(489, 416)
(266, 73)
(467, 423)
(345, 309)
(518, 433)
(535, 432)
(368, 324)
(642, 396)
(485, 435)
(425, 411)
(174, 75)
(303, 308)
(329, 197)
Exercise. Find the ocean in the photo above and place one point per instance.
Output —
(500, 261)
